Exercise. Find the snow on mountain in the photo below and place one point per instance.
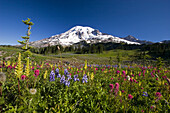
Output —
(77, 34)
(165, 41)
(133, 39)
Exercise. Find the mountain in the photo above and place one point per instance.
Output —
(165, 41)
(78, 34)
(133, 39)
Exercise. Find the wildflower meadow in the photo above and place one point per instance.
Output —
(28, 86)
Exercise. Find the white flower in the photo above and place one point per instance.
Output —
(2, 77)
(128, 77)
(33, 91)
(157, 76)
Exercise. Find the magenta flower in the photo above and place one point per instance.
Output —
(158, 71)
(14, 66)
(32, 68)
(123, 72)
(117, 71)
(153, 106)
(111, 78)
(23, 77)
(142, 110)
(131, 80)
(47, 64)
(116, 88)
(123, 91)
(9, 67)
(130, 96)
(38, 66)
(134, 80)
(166, 84)
(158, 94)
(111, 86)
(139, 73)
(156, 78)
(37, 72)
(117, 85)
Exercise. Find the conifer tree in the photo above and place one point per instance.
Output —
(26, 48)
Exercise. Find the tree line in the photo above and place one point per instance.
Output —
(155, 50)
(78, 49)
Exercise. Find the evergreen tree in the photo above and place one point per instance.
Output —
(26, 48)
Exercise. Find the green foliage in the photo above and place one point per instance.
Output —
(26, 48)
(159, 62)
(93, 96)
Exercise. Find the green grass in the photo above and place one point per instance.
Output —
(10, 49)
(126, 55)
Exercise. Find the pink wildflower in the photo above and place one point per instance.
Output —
(36, 72)
(123, 72)
(131, 80)
(23, 77)
(117, 71)
(116, 88)
(134, 80)
(158, 94)
(139, 73)
(111, 86)
(32, 68)
(130, 96)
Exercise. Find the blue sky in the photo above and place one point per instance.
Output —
(143, 19)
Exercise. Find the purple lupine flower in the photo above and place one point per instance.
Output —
(66, 72)
(76, 78)
(145, 94)
(69, 77)
(52, 76)
(67, 83)
(57, 71)
(58, 76)
(62, 80)
(84, 78)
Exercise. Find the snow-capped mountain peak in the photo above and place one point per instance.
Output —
(77, 34)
